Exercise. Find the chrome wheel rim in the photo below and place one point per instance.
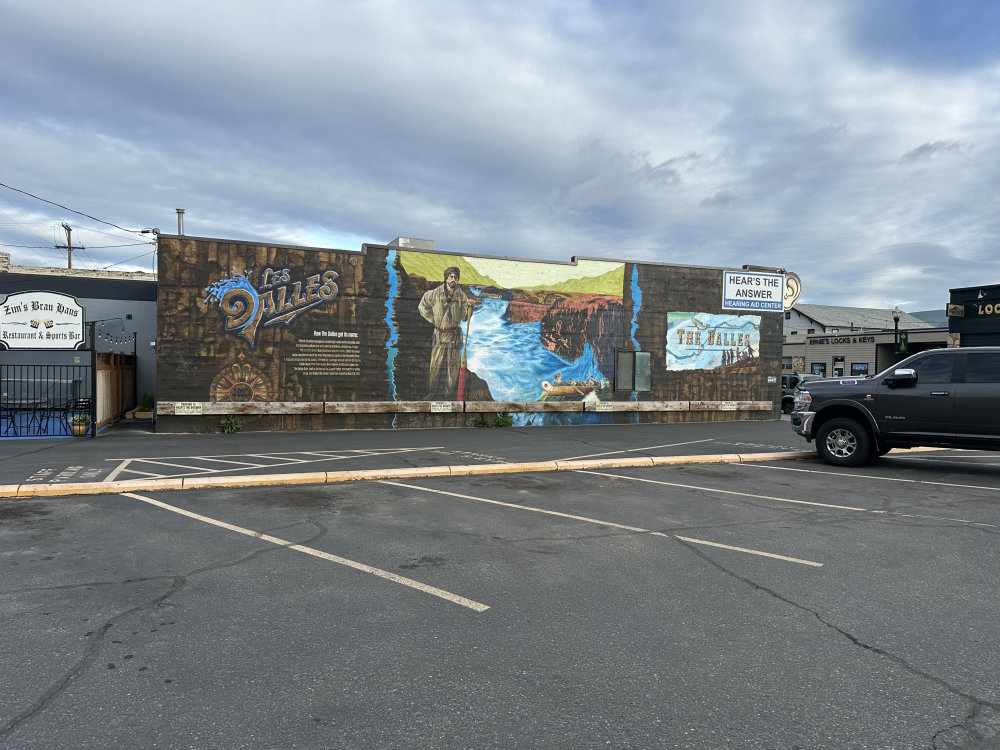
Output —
(841, 443)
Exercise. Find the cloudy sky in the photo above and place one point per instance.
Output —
(855, 142)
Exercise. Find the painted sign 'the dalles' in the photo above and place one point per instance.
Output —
(277, 300)
(41, 320)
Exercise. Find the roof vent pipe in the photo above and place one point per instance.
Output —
(180, 221)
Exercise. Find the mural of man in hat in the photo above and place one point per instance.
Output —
(445, 307)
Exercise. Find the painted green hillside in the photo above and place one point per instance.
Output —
(607, 283)
(431, 267)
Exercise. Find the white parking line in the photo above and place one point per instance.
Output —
(279, 460)
(896, 479)
(409, 582)
(329, 454)
(599, 522)
(724, 492)
(750, 551)
(879, 478)
(125, 467)
(977, 461)
(800, 502)
(158, 462)
(246, 463)
(634, 450)
(118, 470)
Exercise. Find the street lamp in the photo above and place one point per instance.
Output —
(896, 312)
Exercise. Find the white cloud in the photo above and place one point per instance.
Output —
(713, 133)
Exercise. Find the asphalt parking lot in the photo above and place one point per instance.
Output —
(778, 604)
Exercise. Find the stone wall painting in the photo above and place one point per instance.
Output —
(705, 341)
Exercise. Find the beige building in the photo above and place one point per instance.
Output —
(844, 341)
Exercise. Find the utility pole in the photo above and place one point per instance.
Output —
(69, 247)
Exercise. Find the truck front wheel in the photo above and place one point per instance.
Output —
(844, 442)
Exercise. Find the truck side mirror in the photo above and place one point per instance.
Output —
(904, 376)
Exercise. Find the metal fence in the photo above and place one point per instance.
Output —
(46, 400)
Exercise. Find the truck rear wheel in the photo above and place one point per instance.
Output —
(844, 442)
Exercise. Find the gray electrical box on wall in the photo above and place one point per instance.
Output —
(643, 368)
(633, 371)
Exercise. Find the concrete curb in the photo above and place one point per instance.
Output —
(330, 477)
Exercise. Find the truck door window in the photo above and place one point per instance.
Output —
(932, 370)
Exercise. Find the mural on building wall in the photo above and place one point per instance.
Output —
(703, 341)
(504, 330)
(255, 323)
(296, 328)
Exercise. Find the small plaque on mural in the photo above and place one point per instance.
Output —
(727, 406)
(604, 406)
(441, 406)
(188, 407)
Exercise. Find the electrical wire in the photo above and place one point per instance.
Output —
(89, 247)
(23, 226)
(67, 208)
(151, 252)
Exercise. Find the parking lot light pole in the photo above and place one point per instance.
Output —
(895, 332)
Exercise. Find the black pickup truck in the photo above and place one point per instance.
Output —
(942, 397)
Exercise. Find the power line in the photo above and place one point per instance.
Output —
(131, 244)
(151, 252)
(67, 208)
(24, 227)
(91, 247)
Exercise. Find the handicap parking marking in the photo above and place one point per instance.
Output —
(154, 467)
(49, 475)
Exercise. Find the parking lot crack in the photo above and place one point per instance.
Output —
(90, 654)
(978, 731)
(977, 702)
(98, 635)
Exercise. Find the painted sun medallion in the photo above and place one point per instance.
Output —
(240, 383)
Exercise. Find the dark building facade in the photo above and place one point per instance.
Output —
(119, 311)
(287, 337)
(974, 316)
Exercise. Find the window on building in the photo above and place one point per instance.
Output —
(859, 368)
(811, 330)
(788, 314)
(818, 368)
(794, 333)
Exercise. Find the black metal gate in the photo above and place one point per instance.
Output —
(46, 400)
